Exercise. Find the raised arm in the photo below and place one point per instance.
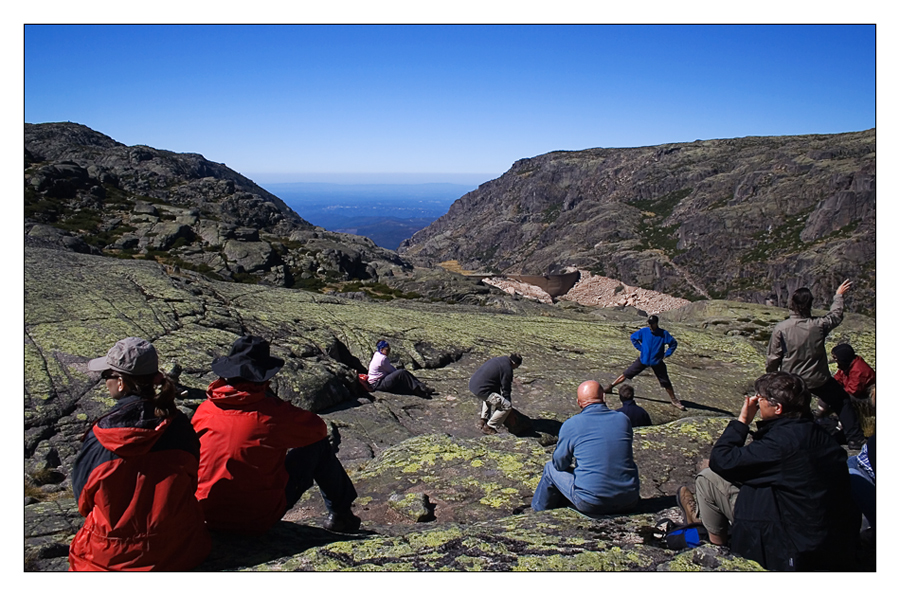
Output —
(836, 312)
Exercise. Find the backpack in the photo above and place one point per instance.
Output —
(679, 537)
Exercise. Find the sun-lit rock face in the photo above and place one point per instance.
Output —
(749, 218)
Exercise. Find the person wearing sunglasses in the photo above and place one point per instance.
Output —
(136, 474)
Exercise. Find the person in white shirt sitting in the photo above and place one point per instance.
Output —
(383, 376)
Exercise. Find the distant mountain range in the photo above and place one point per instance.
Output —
(385, 213)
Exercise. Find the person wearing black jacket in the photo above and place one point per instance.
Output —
(492, 384)
(786, 495)
(635, 413)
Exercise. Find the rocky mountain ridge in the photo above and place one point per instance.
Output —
(748, 219)
(88, 193)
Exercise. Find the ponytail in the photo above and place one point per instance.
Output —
(145, 387)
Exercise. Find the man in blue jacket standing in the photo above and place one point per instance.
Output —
(598, 441)
(651, 342)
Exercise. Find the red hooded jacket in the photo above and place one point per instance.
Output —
(134, 480)
(856, 380)
(245, 433)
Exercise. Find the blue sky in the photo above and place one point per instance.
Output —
(320, 103)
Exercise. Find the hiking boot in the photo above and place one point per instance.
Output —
(346, 523)
(481, 423)
(488, 430)
(688, 505)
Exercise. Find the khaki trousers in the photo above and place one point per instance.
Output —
(715, 498)
(499, 406)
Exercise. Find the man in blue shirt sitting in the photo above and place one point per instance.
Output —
(635, 413)
(598, 441)
(651, 342)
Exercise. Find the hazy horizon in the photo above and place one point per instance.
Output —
(369, 178)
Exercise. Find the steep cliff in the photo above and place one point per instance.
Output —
(748, 218)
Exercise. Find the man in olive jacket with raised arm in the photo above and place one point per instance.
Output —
(797, 346)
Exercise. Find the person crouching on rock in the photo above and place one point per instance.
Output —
(492, 384)
(599, 442)
(248, 478)
(135, 476)
(384, 377)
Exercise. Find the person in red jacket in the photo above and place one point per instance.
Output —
(136, 474)
(248, 478)
(853, 373)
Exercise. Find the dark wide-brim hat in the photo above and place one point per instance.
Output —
(249, 360)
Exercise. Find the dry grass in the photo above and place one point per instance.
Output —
(455, 267)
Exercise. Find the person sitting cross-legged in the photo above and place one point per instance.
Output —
(599, 442)
(784, 499)
(259, 454)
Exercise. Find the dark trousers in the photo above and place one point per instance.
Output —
(862, 490)
(659, 369)
(838, 400)
(400, 382)
(318, 463)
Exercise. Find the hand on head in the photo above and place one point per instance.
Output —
(749, 409)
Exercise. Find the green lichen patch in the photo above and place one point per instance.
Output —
(558, 540)
(442, 467)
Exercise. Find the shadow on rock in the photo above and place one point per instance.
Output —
(655, 504)
(285, 539)
(690, 405)
(521, 425)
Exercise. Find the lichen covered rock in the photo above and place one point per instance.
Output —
(556, 540)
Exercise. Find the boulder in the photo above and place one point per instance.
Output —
(248, 256)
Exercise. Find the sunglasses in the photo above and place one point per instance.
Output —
(108, 374)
